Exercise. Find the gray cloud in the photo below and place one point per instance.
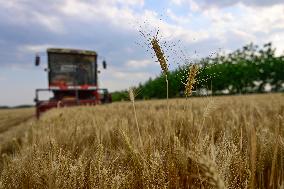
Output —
(224, 3)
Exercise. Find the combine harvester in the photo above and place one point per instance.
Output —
(72, 78)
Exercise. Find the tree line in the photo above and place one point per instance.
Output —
(251, 69)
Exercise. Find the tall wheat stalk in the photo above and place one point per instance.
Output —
(163, 63)
(168, 107)
(191, 79)
(132, 99)
(274, 160)
(253, 145)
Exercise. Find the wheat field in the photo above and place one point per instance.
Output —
(13, 128)
(209, 142)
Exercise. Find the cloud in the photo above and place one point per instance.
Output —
(131, 75)
(127, 19)
(138, 63)
(226, 3)
(233, 27)
(100, 11)
(193, 5)
(52, 23)
(131, 2)
(29, 13)
(246, 2)
(118, 79)
(35, 48)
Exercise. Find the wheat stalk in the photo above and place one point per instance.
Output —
(274, 160)
(163, 63)
(253, 145)
(132, 99)
(208, 109)
(160, 55)
(193, 70)
(208, 169)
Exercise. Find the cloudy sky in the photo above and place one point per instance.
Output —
(110, 28)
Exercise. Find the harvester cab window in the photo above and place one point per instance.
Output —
(81, 75)
(71, 69)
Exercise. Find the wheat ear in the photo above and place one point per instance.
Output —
(160, 55)
(193, 70)
(163, 63)
(208, 168)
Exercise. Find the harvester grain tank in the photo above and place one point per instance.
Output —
(72, 79)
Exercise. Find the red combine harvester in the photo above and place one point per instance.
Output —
(72, 78)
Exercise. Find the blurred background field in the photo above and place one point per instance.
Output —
(209, 142)
(13, 117)
(13, 127)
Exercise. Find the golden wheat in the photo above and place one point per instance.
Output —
(253, 145)
(159, 54)
(163, 63)
(191, 80)
(99, 147)
(132, 99)
(208, 170)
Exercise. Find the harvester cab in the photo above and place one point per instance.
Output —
(72, 79)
